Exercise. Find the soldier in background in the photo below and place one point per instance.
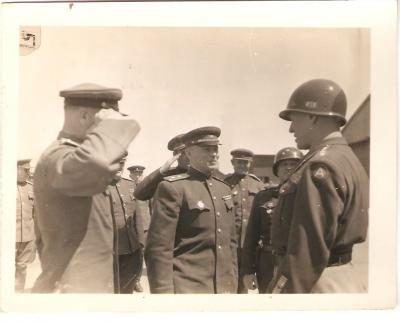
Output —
(73, 205)
(244, 187)
(322, 209)
(191, 246)
(144, 211)
(257, 258)
(147, 187)
(130, 233)
(25, 248)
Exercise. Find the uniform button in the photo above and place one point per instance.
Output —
(243, 200)
(218, 213)
(219, 230)
(122, 195)
(244, 220)
(210, 184)
(219, 247)
(214, 197)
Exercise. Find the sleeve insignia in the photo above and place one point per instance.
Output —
(320, 172)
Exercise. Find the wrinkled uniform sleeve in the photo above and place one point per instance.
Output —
(88, 169)
(161, 239)
(146, 189)
(253, 233)
(318, 205)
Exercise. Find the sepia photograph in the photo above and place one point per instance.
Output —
(162, 161)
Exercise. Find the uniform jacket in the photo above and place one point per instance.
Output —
(74, 208)
(25, 225)
(322, 211)
(244, 189)
(146, 189)
(128, 218)
(259, 227)
(191, 246)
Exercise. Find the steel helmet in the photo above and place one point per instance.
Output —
(286, 153)
(318, 97)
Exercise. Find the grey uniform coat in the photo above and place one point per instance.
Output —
(74, 209)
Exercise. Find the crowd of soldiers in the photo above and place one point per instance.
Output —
(198, 230)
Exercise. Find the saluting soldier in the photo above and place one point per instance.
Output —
(244, 187)
(72, 201)
(322, 209)
(130, 233)
(257, 258)
(136, 176)
(25, 249)
(191, 246)
(147, 187)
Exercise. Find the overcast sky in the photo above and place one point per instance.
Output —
(177, 79)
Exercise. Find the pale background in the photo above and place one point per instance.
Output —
(378, 16)
(176, 79)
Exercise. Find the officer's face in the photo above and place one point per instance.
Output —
(203, 158)
(285, 168)
(135, 175)
(302, 127)
(241, 166)
(22, 174)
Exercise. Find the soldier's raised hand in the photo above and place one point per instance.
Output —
(169, 164)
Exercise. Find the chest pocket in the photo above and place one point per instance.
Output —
(131, 192)
(197, 205)
(228, 204)
(253, 191)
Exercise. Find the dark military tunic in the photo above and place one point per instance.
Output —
(130, 232)
(257, 257)
(244, 188)
(74, 209)
(321, 213)
(191, 246)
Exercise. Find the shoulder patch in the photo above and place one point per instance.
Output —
(177, 177)
(69, 142)
(319, 171)
(255, 177)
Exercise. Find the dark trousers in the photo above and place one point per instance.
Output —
(130, 270)
(264, 269)
(241, 288)
(25, 253)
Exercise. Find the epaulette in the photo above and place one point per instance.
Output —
(176, 177)
(255, 177)
(127, 179)
(69, 142)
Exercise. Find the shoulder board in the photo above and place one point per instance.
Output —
(69, 142)
(127, 179)
(28, 182)
(255, 177)
(177, 177)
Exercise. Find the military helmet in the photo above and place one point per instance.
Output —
(318, 97)
(286, 153)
